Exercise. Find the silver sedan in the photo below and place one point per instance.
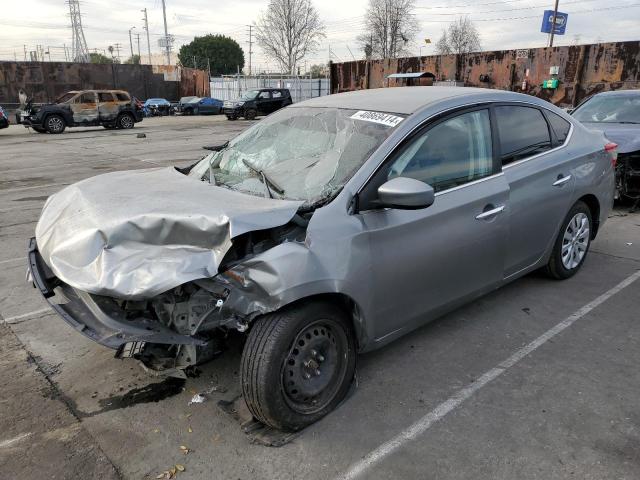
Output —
(329, 228)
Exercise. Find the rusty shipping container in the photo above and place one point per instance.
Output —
(582, 70)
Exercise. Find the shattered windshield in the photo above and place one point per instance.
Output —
(610, 109)
(66, 97)
(303, 154)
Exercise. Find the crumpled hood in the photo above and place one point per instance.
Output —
(627, 136)
(135, 234)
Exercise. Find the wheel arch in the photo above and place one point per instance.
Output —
(594, 207)
(66, 116)
(347, 304)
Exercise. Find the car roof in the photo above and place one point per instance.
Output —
(404, 100)
(618, 93)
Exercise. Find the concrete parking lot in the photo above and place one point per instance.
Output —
(538, 380)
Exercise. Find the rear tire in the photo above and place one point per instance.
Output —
(572, 245)
(55, 124)
(126, 121)
(298, 364)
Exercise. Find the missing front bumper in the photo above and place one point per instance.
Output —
(94, 316)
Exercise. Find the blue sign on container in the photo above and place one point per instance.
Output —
(561, 22)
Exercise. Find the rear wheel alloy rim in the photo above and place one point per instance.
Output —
(126, 121)
(315, 367)
(55, 124)
(575, 241)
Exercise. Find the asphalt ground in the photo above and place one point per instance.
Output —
(538, 380)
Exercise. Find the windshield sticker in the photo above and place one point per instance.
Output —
(377, 117)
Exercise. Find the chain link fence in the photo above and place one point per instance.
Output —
(229, 87)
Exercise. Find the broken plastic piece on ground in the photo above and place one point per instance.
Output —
(197, 398)
(256, 431)
(141, 135)
(216, 388)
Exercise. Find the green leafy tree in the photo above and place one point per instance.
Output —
(133, 60)
(318, 71)
(223, 53)
(99, 58)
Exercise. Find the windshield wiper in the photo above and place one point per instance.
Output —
(264, 178)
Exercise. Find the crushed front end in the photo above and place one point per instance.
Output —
(177, 329)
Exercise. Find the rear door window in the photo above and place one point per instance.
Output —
(276, 94)
(105, 97)
(523, 132)
(452, 153)
(88, 97)
(560, 127)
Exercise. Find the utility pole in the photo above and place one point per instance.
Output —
(250, 45)
(117, 46)
(131, 41)
(166, 33)
(138, 39)
(146, 27)
(553, 23)
(25, 53)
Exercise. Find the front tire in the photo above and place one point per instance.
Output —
(250, 114)
(572, 244)
(126, 121)
(55, 124)
(298, 364)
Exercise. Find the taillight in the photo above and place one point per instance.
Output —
(612, 149)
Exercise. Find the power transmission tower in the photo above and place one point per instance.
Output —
(146, 27)
(79, 50)
(250, 45)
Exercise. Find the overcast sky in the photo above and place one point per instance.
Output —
(502, 24)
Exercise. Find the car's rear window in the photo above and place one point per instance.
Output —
(560, 127)
(523, 132)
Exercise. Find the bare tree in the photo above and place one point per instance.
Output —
(391, 27)
(288, 31)
(460, 37)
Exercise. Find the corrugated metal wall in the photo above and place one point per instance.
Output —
(229, 87)
(583, 70)
(45, 81)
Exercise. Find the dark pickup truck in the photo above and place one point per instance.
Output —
(86, 108)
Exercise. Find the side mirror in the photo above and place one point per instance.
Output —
(570, 110)
(405, 193)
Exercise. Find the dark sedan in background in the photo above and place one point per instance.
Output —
(617, 115)
(199, 106)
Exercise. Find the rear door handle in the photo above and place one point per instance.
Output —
(561, 180)
(490, 213)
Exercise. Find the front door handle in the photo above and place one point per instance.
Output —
(490, 213)
(561, 180)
